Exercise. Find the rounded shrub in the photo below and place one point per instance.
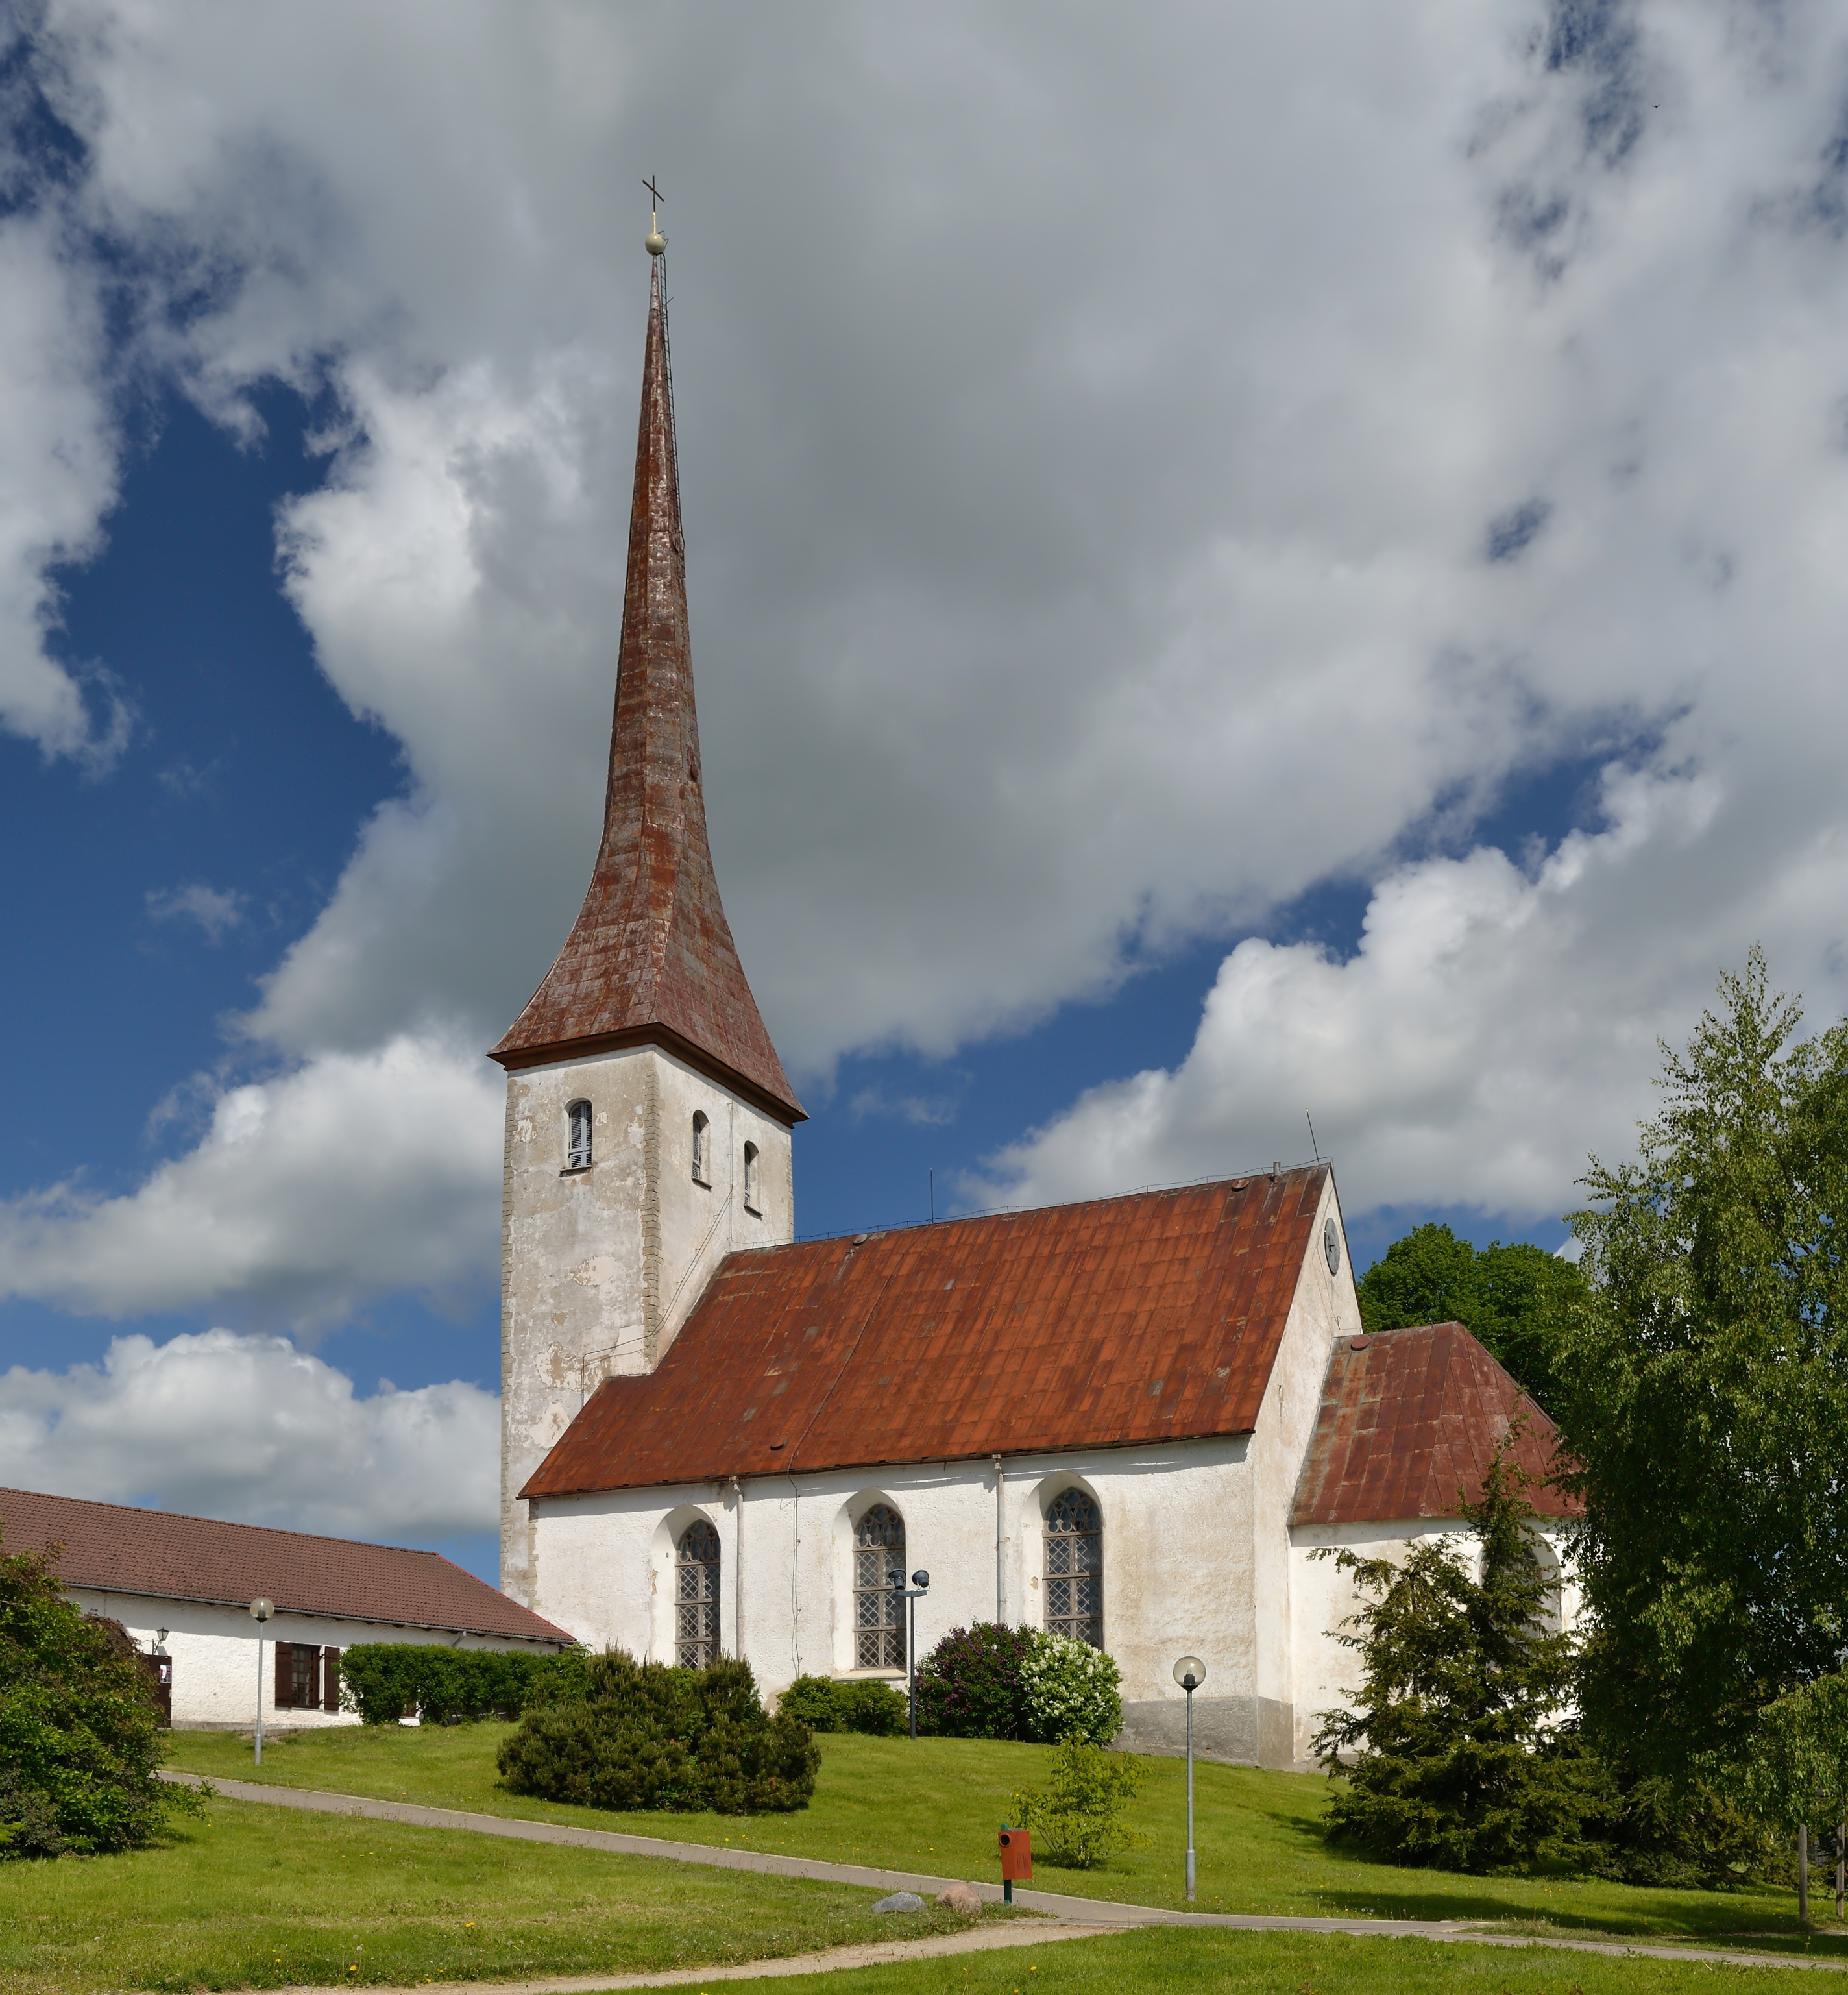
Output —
(652, 1736)
(817, 1700)
(970, 1685)
(863, 1704)
(1070, 1690)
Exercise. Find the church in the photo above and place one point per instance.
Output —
(1133, 1421)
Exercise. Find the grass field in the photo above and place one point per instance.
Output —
(1165, 1961)
(252, 1897)
(935, 1804)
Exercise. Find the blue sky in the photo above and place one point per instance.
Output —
(1348, 623)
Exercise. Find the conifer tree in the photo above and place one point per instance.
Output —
(1459, 1758)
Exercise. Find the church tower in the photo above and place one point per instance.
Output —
(648, 1116)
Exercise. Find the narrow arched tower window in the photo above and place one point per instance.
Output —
(879, 1548)
(696, 1595)
(1075, 1569)
(702, 1148)
(577, 1152)
(750, 1176)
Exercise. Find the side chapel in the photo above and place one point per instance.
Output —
(1131, 1420)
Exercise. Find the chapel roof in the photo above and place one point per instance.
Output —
(650, 958)
(1411, 1417)
(161, 1555)
(1153, 1318)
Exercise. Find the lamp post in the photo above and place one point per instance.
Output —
(1190, 1673)
(260, 1612)
(920, 1586)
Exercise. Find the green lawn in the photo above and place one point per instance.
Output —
(1156, 1961)
(934, 1804)
(256, 1896)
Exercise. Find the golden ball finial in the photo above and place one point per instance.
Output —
(657, 243)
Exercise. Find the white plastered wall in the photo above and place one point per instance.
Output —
(213, 1650)
(600, 1267)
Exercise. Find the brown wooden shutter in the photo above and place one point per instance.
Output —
(330, 1679)
(285, 1675)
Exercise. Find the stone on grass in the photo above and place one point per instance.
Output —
(960, 1898)
(900, 1901)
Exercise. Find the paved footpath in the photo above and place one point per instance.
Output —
(1076, 1917)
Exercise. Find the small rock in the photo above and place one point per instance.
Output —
(961, 1898)
(900, 1901)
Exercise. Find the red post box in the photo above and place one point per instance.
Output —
(1016, 1855)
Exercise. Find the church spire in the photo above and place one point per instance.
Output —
(650, 958)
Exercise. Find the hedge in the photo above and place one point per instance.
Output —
(385, 1681)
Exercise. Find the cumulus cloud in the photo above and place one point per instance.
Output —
(220, 1425)
(352, 1175)
(1083, 559)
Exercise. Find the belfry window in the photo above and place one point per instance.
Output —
(1075, 1569)
(702, 1149)
(750, 1176)
(696, 1596)
(879, 1550)
(577, 1149)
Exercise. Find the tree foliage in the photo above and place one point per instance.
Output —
(80, 1741)
(1704, 1391)
(654, 1736)
(1518, 1301)
(1795, 1774)
(1461, 1760)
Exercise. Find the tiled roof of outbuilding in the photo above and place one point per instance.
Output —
(115, 1548)
(650, 957)
(1410, 1417)
(1153, 1318)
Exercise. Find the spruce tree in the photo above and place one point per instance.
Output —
(1460, 1758)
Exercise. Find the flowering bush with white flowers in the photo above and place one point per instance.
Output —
(1072, 1690)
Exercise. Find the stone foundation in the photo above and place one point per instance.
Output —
(1239, 1731)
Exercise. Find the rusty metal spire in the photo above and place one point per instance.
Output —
(650, 958)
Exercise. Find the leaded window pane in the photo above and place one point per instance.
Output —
(1075, 1569)
(879, 1631)
(696, 1568)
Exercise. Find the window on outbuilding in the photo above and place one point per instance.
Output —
(696, 1595)
(577, 1155)
(750, 1176)
(298, 1675)
(879, 1550)
(1075, 1569)
(702, 1148)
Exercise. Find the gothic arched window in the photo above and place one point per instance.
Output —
(750, 1176)
(702, 1147)
(577, 1153)
(1075, 1569)
(696, 1595)
(879, 1550)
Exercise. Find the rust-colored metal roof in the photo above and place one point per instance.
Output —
(114, 1548)
(1153, 1318)
(650, 957)
(1410, 1417)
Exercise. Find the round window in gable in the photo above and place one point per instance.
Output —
(1331, 1245)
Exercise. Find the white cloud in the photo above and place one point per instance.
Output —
(1491, 1027)
(354, 1176)
(216, 910)
(220, 1425)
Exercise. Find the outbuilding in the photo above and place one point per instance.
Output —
(182, 1587)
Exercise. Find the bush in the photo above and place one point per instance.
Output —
(863, 1705)
(653, 1735)
(1078, 1820)
(385, 1681)
(79, 1728)
(1072, 1691)
(970, 1685)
